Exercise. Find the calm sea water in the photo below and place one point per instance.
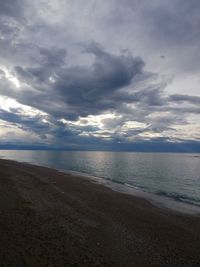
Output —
(168, 174)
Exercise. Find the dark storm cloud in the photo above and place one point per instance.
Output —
(48, 61)
(75, 91)
(91, 88)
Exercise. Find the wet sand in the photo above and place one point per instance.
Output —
(49, 218)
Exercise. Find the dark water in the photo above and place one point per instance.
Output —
(174, 175)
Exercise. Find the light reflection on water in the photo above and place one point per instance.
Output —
(169, 174)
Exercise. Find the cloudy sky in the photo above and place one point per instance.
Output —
(100, 74)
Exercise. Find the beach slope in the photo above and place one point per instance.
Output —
(49, 218)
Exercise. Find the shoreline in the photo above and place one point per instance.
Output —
(51, 218)
(160, 201)
(173, 197)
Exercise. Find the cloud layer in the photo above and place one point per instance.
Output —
(102, 75)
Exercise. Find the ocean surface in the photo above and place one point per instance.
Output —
(172, 175)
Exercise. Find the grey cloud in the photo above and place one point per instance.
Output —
(77, 90)
(182, 110)
(53, 57)
(185, 98)
(55, 129)
(114, 122)
(150, 97)
(43, 54)
(12, 20)
(33, 124)
(176, 21)
(169, 22)
(153, 28)
(166, 122)
(12, 8)
(2, 74)
(107, 74)
(76, 98)
(48, 61)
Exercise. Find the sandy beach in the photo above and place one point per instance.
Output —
(49, 218)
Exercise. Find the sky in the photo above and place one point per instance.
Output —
(100, 75)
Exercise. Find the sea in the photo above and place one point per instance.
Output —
(169, 178)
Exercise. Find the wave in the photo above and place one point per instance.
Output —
(172, 195)
(179, 197)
